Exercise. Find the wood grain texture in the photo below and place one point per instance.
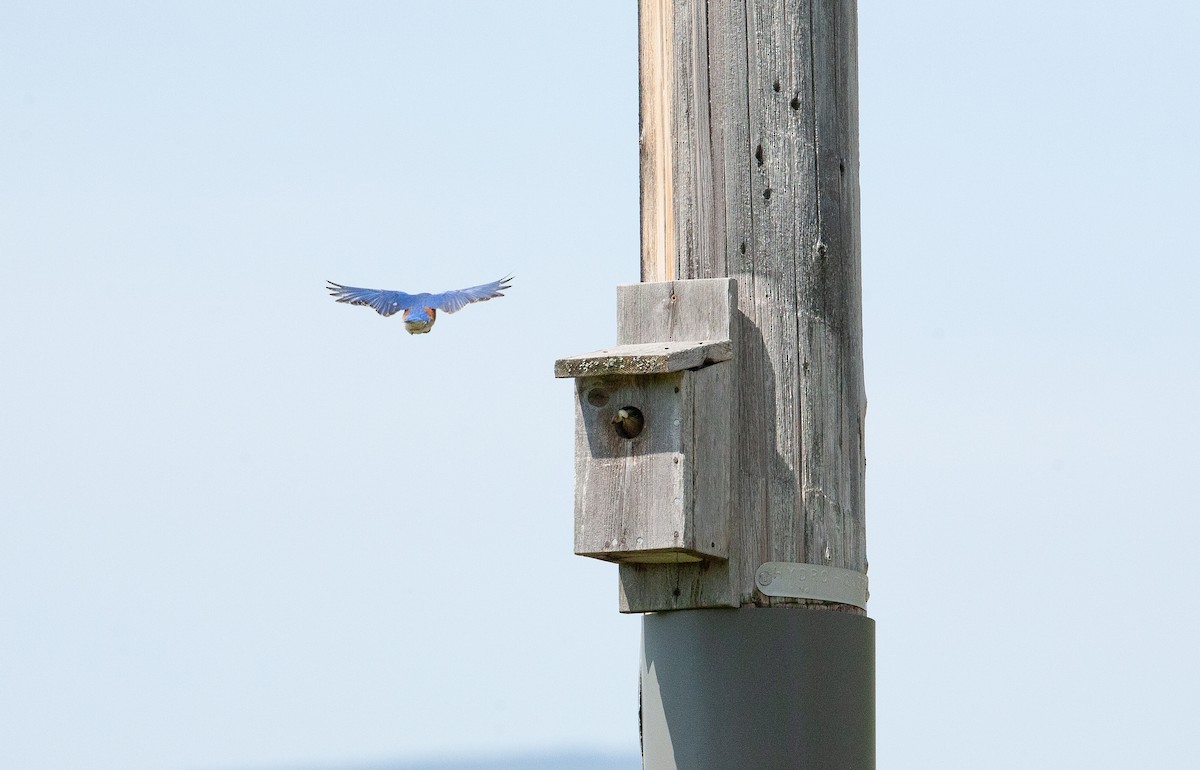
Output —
(656, 82)
(648, 587)
(671, 311)
(761, 168)
(683, 310)
(657, 497)
(662, 495)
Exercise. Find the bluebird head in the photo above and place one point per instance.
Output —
(419, 320)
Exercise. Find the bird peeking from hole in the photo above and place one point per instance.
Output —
(419, 310)
(628, 421)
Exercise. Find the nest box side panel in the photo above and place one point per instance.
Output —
(711, 460)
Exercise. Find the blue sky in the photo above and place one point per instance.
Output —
(242, 526)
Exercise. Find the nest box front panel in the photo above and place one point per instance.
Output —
(633, 485)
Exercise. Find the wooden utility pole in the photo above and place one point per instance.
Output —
(743, 487)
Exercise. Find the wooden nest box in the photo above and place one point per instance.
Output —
(653, 422)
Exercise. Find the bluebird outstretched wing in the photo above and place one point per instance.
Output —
(452, 301)
(384, 302)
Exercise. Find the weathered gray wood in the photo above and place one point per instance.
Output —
(758, 180)
(645, 358)
(656, 497)
(660, 496)
(676, 310)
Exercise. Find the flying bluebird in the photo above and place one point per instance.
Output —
(420, 310)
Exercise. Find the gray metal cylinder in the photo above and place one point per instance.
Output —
(758, 689)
